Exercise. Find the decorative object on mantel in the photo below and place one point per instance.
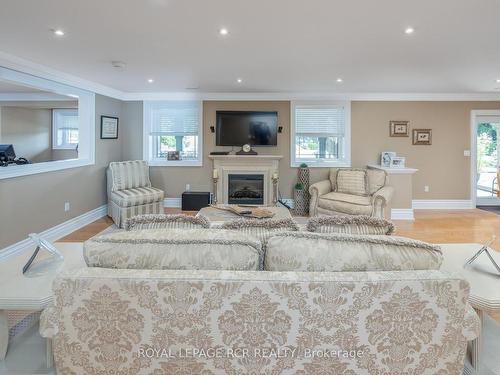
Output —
(109, 127)
(398, 162)
(246, 149)
(275, 180)
(385, 158)
(484, 249)
(215, 177)
(399, 129)
(422, 137)
(300, 201)
(303, 177)
(245, 211)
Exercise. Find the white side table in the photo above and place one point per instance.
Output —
(484, 291)
(34, 292)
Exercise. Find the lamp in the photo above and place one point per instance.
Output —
(215, 178)
(275, 180)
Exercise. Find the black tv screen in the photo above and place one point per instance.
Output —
(236, 128)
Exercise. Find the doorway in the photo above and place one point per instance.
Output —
(485, 158)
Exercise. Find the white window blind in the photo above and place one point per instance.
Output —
(321, 134)
(65, 128)
(173, 127)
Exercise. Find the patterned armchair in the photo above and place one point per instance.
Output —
(130, 192)
(351, 192)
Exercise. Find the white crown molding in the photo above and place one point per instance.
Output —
(29, 97)
(56, 232)
(402, 214)
(26, 66)
(442, 204)
(29, 67)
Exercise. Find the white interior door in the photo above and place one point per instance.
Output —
(486, 158)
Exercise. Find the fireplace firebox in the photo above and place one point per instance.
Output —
(246, 189)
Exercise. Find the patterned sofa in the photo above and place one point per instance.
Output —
(219, 321)
(130, 192)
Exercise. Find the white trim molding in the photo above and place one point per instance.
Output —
(172, 202)
(402, 214)
(442, 204)
(56, 232)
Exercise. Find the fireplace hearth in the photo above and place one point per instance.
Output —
(246, 189)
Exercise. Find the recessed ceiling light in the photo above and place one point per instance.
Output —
(151, 80)
(340, 80)
(58, 32)
(223, 31)
(497, 80)
(409, 30)
(239, 80)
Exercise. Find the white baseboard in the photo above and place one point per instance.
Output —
(442, 204)
(56, 232)
(402, 214)
(172, 202)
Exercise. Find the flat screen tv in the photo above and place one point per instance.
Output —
(236, 128)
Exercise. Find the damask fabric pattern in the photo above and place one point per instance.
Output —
(319, 252)
(166, 222)
(350, 225)
(223, 322)
(174, 249)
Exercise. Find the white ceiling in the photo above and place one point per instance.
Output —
(273, 45)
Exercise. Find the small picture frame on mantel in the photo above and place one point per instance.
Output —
(399, 129)
(109, 127)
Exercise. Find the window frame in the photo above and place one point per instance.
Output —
(148, 139)
(86, 125)
(65, 146)
(321, 163)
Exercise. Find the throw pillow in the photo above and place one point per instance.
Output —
(352, 181)
(350, 225)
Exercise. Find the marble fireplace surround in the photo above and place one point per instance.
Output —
(245, 164)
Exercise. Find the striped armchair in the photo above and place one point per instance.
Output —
(130, 192)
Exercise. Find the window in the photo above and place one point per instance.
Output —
(321, 134)
(170, 127)
(64, 129)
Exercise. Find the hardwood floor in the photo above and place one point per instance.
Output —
(435, 226)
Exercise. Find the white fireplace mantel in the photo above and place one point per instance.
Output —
(245, 164)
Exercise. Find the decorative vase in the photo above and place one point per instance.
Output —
(303, 178)
(301, 202)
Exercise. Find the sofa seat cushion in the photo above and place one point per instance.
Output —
(318, 252)
(187, 249)
(350, 225)
(136, 196)
(347, 203)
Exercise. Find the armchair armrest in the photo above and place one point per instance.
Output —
(316, 190)
(472, 324)
(320, 188)
(48, 323)
(384, 195)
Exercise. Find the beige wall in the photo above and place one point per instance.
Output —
(36, 202)
(29, 130)
(442, 166)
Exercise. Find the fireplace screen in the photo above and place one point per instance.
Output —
(246, 189)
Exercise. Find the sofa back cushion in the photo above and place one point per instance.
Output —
(164, 221)
(350, 225)
(352, 181)
(129, 174)
(189, 249)
(377, 179)
(315, 252)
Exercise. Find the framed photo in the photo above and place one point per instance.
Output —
(109, 127)
(386, 157)
(422, 137)
(399, 128)
(173, 155)
(398, 162)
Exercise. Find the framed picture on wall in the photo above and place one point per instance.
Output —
(109, 127)
(422, 137)
(399, 128)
